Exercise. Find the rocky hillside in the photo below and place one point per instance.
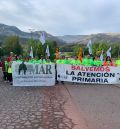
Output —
(83, 39)
(6, 30)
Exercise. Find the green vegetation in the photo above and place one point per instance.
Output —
(97, 48)
(12, 43)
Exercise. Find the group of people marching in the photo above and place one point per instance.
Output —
(89, 60)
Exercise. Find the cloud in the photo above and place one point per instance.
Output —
(60, 17)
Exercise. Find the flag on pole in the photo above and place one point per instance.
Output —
(101, 56)
(47, 51)
(57, 53)
(89, 46)
(31, 52)
(80, 54)
(109, 52)
(42, 38)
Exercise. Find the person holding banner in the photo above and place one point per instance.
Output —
(42, 60)
(60, 61)
(88, 61)
(67, 61)
(10, 72)
(97, 61)
(75, 61)
(30, 60)
(36, 60)
(19, 59)
(63, 60)
(48, 61)
(108, 62)
(117, 62)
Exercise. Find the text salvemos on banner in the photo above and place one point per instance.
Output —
(83, 74)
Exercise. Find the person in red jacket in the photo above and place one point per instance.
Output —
(108, 62)
(11, 57)
(3, 66)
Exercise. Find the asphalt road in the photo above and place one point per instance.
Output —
(70, 106)
(99, 105)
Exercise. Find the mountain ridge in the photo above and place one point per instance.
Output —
(6, 30)
(83, 39)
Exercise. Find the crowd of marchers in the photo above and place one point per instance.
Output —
(89, 60)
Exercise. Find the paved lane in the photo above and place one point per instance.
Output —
(98, 104)
(33, 108)
(60, 107)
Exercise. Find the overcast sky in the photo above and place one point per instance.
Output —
(62, 17)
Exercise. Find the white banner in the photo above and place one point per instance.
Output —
(27, 74)
(83, 74)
